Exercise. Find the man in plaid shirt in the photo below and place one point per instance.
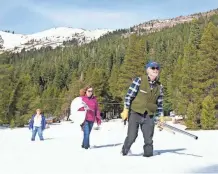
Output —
(133, 90)
(143, 99)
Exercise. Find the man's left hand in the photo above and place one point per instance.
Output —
(160, 123)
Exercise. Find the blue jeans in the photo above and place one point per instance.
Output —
(87, 127)
(39, 131)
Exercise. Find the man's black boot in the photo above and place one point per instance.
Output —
(148, 151)
(124, 151)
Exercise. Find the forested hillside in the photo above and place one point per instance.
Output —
(50, 79)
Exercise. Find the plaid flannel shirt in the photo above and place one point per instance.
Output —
(133, 89)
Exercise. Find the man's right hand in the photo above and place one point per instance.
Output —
(125, 113)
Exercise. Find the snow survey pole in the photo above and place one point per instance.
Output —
(167, 129)
(178, 130)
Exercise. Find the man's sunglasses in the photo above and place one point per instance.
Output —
(153, 68)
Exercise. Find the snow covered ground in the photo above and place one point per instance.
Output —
(61, 152)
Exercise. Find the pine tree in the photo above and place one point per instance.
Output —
(50, 99)
(12, 123)
(195, 34)
(61, 77)
(208, 119)
(174, 88)
(6, 91)
(191, 119)
(133, 64)
(189, 64)
(206, 71)
(113, 86)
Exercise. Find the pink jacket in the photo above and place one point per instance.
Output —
(94, 113)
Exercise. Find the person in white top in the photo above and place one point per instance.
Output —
(37, 124)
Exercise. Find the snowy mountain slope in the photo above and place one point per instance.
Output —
(52, 37)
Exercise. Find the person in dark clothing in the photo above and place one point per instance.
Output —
(143, 99)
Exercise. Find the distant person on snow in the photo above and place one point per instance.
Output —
(37, 124)
(92, 115)
(143, 99)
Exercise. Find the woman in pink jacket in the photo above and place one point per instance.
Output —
(92, 115)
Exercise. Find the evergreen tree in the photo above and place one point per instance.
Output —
(191, 119)
(113, 86)
(195, 34)
(133, 64)
(207, 67)
(189, 61)
(208, 120)
(174, 88)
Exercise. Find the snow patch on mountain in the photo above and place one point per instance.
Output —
(52, 37)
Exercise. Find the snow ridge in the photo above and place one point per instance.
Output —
(52, 37)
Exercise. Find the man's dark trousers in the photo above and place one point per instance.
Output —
(146, 124)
